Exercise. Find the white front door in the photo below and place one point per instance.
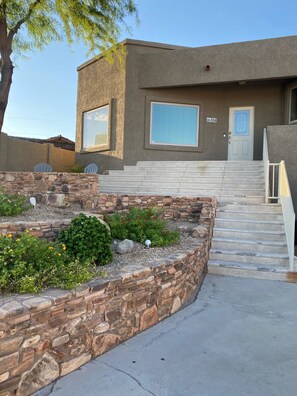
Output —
(241, 134)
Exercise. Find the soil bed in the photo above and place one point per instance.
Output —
(39, 213)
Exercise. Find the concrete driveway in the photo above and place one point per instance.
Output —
(238, 338)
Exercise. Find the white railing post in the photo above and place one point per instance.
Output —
(288, 211)
(266, 165)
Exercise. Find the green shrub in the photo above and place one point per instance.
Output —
(29, 265)
(87, 239)
(12, 204)
(77, 168)
(141, 224)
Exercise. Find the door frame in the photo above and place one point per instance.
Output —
(252, 127)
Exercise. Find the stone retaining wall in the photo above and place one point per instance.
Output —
(47, 230)
(57, 189)
(47, 336)
(174, 207)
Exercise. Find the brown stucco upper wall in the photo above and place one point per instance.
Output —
(267, 97)
(282, 145)
(253, 60)
(102, 83)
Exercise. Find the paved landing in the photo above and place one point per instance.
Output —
(239, 338)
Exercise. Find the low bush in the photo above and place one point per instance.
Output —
(12, 204)
(141, 224)
(29, 265)
(77, 168)
(87, 239)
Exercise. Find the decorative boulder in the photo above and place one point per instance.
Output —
(200, 232)
(123, 247)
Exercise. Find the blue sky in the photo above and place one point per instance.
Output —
(43, 95)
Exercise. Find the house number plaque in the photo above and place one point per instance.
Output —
(212, 120)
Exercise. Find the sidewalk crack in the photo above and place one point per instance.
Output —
(131, 376)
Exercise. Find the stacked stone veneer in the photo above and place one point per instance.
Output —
(57, 189)
(46, 336)
(47, 230)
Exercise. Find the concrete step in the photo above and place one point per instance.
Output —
(231, 199)
(266, 216)
(244, 224)
(248, 245)
(249, 208)
(250, 235)
(261, 259)
(247, 270)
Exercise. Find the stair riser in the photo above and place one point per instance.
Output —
(241, 225)
(249, 247)
(246, 273)
(250, 216)
(261, 261)
(242, 200)
(250, 236)
(250, 208)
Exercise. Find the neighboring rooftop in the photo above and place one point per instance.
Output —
(58, 141)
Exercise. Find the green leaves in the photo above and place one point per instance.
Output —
(35, 23)
(87, 239)
(29, 265)
(12, 204)
(141, 224)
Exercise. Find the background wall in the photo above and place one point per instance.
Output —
(282, 145)
(20, 155)
(100, 83)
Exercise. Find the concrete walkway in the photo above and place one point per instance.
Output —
(239, 338)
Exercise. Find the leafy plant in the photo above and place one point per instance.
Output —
(87, 239)
(77, 168)
(12, 204)
(29, 265)
(141, 224)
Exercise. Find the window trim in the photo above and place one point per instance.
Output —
(101, 147)
(290, 102)
(189, 146)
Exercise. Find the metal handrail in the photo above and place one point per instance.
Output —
(282, 195)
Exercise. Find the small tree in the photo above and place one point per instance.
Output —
(29, 24)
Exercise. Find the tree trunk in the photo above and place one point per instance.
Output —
(5, 84)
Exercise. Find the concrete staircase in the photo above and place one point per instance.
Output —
(249, 236)
(198, 178)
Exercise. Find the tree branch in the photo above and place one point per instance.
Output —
(15, 29)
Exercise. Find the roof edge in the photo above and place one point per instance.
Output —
(140, 43)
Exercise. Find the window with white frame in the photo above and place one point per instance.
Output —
(174, 124)
(96, 128)
(293, 105)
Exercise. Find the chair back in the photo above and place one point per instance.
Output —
(91, 168)
(43, 168)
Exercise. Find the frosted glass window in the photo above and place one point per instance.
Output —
(174, 124)
(95, 128)
(293, 105)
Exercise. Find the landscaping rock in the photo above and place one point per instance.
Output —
(44, 371)
(123, 247)
(200, 232)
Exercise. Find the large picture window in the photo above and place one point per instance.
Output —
(96, 128)
(174, 124)
(293, 105)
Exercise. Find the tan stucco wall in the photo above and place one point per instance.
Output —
(282, 145)
(252, 60)
(267, 97)
(20, 155)
(101, 83)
